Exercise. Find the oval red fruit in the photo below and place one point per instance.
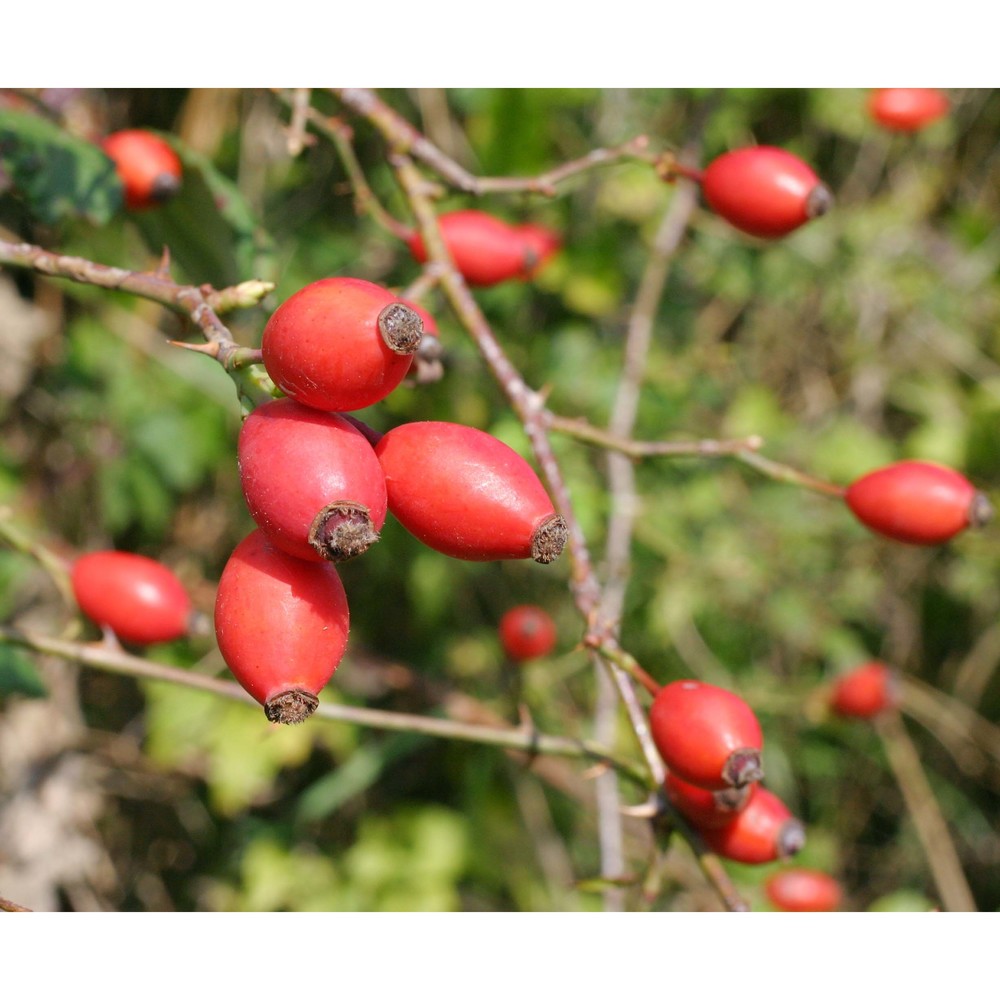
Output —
(311, 481)
(137, 598)
(865, 691)
(706, 735)
(466, 494)
(764, 191)
(907, 109)
(704, 809)
(803, 890)
(282, 626)
(526, 632)
(340, 344)
(149, 169)
(764, 830)
(917, 502)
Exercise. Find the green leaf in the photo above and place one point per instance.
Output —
(18, 674)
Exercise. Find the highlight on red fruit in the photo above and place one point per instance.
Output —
(907, 109)
(137, 598)
(311, 481)
(764, 830)
(917, 502)
(704, 809)
(764, 191)
(149, 169)
(527, 632)
(340, 343)
(865, 691)
(707, 735)
(804, 890)
(282, 625)
(468, 495)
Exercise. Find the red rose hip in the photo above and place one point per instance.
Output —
(764, 191)
(707, 735)
(704, 809)
(917, 502)
(907, 109)
(282, 626)
(311, 481)
(526, 632)
(340, 344)
(803, 890)
(865, 691)
(466, 494)
(137, 598)
(764, 830)
(149, 169)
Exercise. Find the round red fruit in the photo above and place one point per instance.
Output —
(311, 481)
(466, 494)
(917, 502)
(764, 191)
(704, 809)
(803, 890)
(706, 735)
(865, 691)
(907, 109)
(137, 598)
(485, 250)
(282, 626)
(527, 632)
(340, 344)
(149, 169)
(764, 830)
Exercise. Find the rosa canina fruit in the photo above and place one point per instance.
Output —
(707, 735)
(137, 598)
(527, 632)
(311, 481)
(764, 191)
(917, 502)
(803, 890)
(466, 494)
(541, 244)
(282, 625)
(700, 807)
(340, 343)
(865, 691)
(907, 109)
(149, 169)
(763, 830)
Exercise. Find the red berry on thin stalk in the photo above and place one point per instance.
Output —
(707, 735)
(527, 632)
(137, 598)
(704, 809)
(917, 502)
(865, 691)
(148, 167)
(803, 890)
(282, 626)
(907, 109)
(764, 191)
(466, 494)
(311, 481)
(764, 830)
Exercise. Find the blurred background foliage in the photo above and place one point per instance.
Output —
(867, 336)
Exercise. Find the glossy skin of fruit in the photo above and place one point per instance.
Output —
(139, 599)
(707, 735)
(282, 626)
(340, 344)
(526, 632)
(917, 502)
(803, 890)
(907, 109)
(704, 809)
(311, 481)
(149, 169)
(764, 191)
(865, 691)
(466, 494)
(764, 830)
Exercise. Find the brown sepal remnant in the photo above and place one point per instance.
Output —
(342, 530)
(291, 707)
(743, 767)
(401, 328)
(549, 538)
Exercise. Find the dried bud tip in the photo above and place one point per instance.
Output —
(164, 187)
(342, 530)
(401, 328)
(291, 707)
(549, 538)
(791, 838)
(742, 767)
(980, 511)
(819, 202)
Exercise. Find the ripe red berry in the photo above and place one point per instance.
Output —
(706, 735)
(865, 691)
(704, 809)
(340, 344)
(486, 250)
(803, 890)
(764, 191)
(311, 481)
(764, 830)
(527, 632)
(282, 625)
(138, 599)
(907, 109)
(468, 495)
(148, 167)
(917, 502)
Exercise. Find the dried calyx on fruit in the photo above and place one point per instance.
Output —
(702, 808)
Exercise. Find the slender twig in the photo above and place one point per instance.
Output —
(53, 564)
(786, 474)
